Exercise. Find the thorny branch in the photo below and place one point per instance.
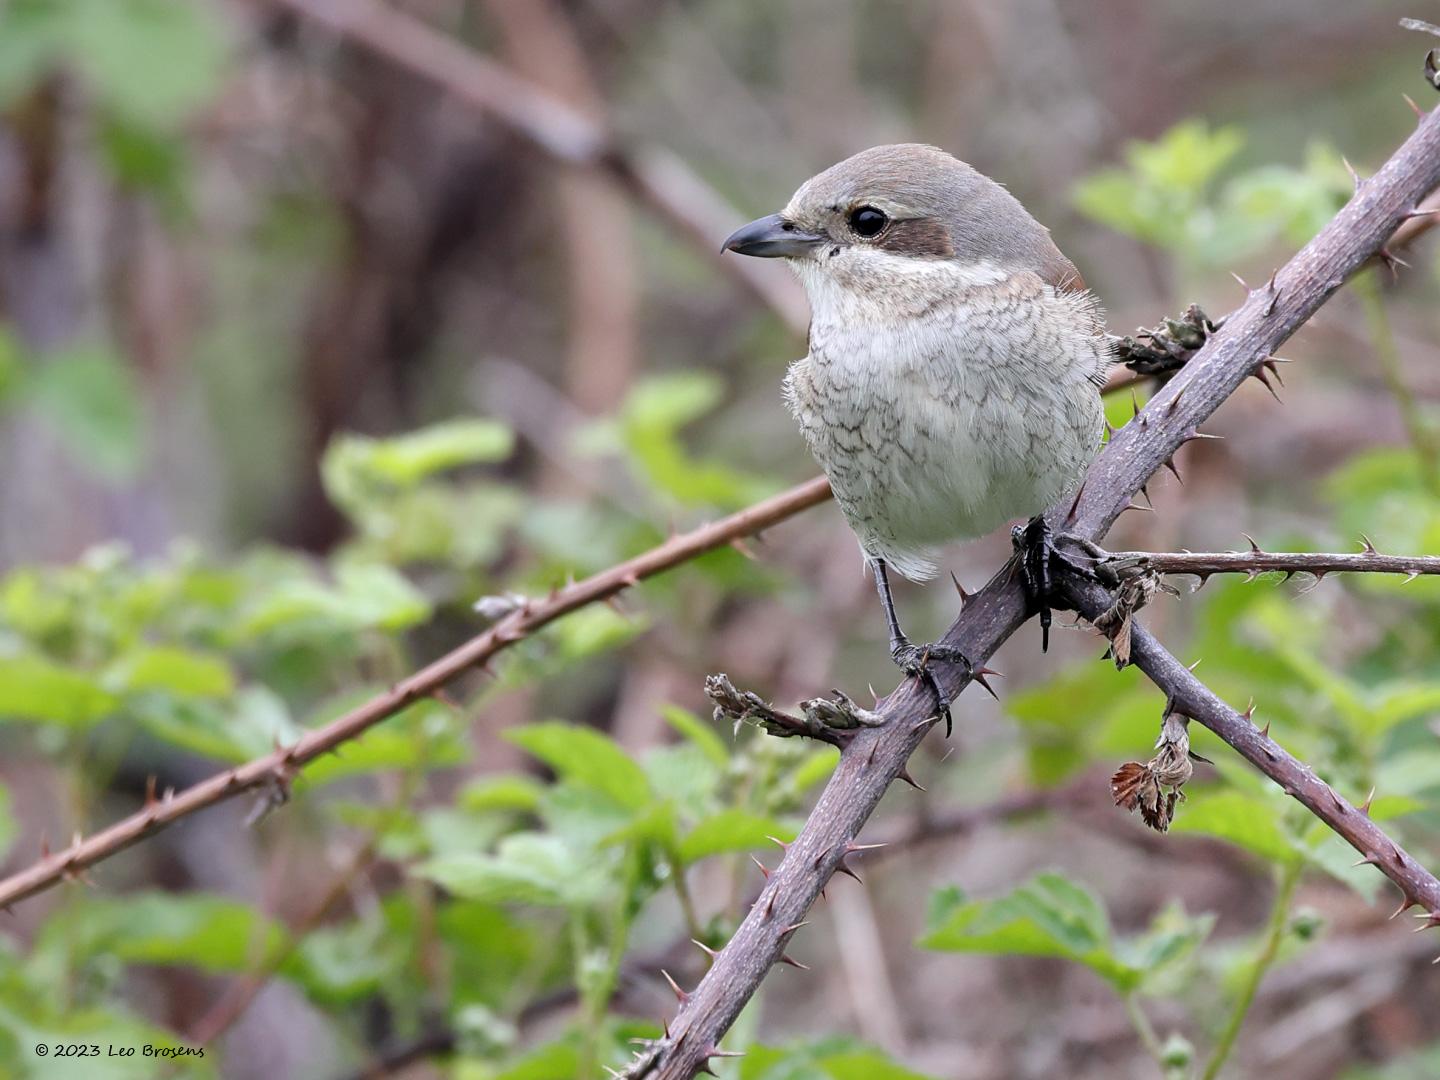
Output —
(1255, 562)
(874, 756)
(273, 773)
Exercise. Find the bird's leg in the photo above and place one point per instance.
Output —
(1037, 556)
(915, 659)
(1034, 548)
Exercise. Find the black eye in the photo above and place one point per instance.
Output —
(867, 221)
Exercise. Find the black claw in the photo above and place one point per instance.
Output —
(1034, 548)
(915, 660)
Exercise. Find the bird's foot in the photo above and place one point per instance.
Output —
(1165, 349)
(916, 660)
(1037, 556)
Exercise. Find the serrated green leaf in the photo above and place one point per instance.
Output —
(39, 690)
(170, 669)
(527, 868)
(586, 758)
(698, 732)
(519, 793)
(731, 830)
(1241, 819)
(192, 930)
(1049, 916)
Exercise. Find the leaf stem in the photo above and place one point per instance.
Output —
(1142, 1025)
(1269, 949)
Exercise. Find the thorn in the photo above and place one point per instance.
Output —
(793, 927)
(1368, 859)
(1365, 806)
(1133, 505)
(979, 677)
(739, 544)
(706, 949)
(927, 722)
(1169, 463)
(717, 1052)
(681, 994)
(1145, 491)
(1419, 213)
(762, 867)
(1274, 293)
(964, 596)
(1265, 731)
(1174, 401)
(1419, 112)
(1202, 435)
(1405, 902)
(1259, 373)
(1255, 548)
(1339, 803)
(1134, 404)
(1193, 666)
(1270, 364)
(786, 958)
(631, 580)
(770, 905)
(783, 843)
(904, 774)
(850, 846)
(841, 868)
(150, 799)
(1354, 176)
(1075, 505)
(1243, 283)
(1367, 545)
(1110, 429)
(871, 760)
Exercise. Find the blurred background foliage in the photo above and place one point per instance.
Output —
(299, 358)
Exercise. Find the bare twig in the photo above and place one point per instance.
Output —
(874, 757)
(655, 177)
(273, 772)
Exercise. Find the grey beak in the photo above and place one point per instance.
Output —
(770, 238)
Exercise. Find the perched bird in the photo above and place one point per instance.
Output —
(954, 368)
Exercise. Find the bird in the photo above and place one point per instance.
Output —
(954, 365)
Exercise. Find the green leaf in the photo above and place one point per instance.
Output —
(154, 60)
(193, 930)
(586, 758)
(170, 669)
(698, 732)
(356, 467)
(33, 688)
(1049, 916)
(1229, 815)
(519, 793)
(89, 397)
(527, 868)
(731, 830)
(824, 1059)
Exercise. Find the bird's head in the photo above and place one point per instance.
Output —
(911, 202)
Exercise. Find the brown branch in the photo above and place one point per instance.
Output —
(273, 772)
(655, 177)
(1188, 696)
(1253, 562)
(874, 757)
